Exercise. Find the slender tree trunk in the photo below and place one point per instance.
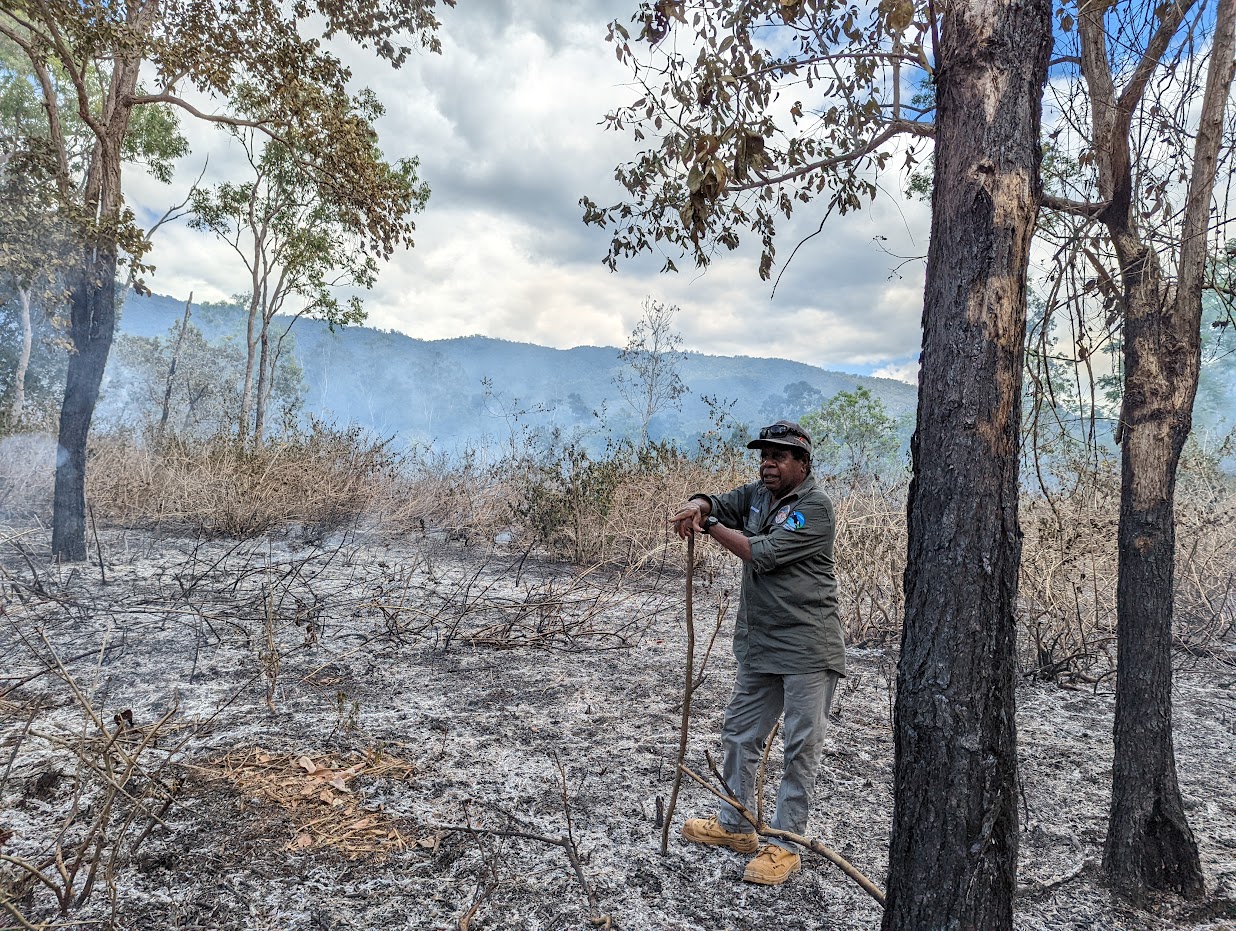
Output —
(1149, 844)
(263, 387)
(18, 409)
(193, 400)
(92, 307)
(251, 343)
(953, 856)
(171, 369)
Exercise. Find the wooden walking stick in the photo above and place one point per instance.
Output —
(686, 699)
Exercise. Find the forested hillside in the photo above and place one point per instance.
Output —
(436, 392)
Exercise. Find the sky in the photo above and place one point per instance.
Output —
(506, 123)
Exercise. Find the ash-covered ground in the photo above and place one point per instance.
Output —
(415, 734)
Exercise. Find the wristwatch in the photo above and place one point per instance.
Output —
(709, 523)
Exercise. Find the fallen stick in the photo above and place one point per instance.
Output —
(567, 844)
(688, 688)
(814, 845)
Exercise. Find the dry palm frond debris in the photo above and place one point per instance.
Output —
(325, 811)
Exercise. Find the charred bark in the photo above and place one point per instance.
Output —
(1149, 843)
(954, 842)
(92, 324)
(1150, 846)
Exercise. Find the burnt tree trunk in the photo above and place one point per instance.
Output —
(92, 300)
(953, 855)
(1149, 844)
(92, 323)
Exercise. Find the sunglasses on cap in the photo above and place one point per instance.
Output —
(778, 430)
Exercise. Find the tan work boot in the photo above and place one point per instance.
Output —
(709, 831)
(772, 866)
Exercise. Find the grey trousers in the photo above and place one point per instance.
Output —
(755, 706)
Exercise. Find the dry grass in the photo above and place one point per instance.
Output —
(319, 482)
(314, 797)
(871, 559)
(1068, 570)
(612, 511)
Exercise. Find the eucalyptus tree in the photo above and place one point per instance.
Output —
(651, 381)
(36, 228)
(1138, 213)
(195, 55)
(755, 109)
(296, 245)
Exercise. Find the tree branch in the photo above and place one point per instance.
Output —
(1090, 210)
(896, 128)
(1207, 147)
(1156, 48)
(174, 100)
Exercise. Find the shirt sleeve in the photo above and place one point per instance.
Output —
(807, 531)
(731, 508)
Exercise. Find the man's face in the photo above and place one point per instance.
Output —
(780, 472)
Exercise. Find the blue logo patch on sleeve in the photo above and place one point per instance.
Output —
(795, 521)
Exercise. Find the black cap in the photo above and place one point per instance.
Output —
(784, 433)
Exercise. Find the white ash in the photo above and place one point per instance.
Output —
(488, 670)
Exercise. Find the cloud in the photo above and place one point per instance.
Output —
(905, 371)
(506, 125)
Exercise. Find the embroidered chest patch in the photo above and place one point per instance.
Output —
(795, 521)
(781, 515)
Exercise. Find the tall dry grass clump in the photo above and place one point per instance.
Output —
(1069, 566)
(614, 508)
(1067, 588)
(870, 555)
(469, 498)
(318, 480)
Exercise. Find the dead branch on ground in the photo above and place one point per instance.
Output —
(765, 830)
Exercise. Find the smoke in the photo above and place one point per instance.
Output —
(27, 474)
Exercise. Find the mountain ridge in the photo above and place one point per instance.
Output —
(479, 390)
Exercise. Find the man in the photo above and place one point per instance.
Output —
(787, 640)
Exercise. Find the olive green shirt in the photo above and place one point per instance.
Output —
(787, 620)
